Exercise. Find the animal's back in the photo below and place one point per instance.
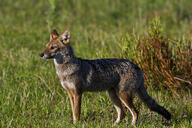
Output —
(112, 65)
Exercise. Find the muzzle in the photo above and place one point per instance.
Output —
(45, 56)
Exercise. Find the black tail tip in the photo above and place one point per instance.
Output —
(167, 115)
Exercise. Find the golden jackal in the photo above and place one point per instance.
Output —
(119, 77)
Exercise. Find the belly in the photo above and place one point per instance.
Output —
(101, 83)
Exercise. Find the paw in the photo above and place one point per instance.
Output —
(116, 122)
(75, 121)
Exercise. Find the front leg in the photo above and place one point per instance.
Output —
(77, 107)
(71, 97)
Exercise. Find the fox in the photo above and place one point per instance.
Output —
(121, 78)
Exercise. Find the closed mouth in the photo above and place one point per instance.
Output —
(45, 56)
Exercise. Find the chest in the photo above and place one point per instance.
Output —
(66, 80)
(65, 75)
(67, 85)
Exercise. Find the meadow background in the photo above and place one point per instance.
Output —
(154, 34)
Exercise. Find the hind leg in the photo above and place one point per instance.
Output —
(117, 104)
(127, 99)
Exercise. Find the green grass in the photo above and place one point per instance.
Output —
(30, 91)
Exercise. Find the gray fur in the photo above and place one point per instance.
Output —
(97, 75)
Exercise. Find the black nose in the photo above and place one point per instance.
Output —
(41, 55)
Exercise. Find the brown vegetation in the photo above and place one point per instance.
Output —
(164, 61)
(166, 64)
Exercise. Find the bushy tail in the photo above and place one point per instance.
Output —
(150, 102)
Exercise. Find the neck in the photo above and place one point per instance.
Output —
(66, 55)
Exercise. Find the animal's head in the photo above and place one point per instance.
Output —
(56, 45)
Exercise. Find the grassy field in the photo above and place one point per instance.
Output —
(30, 91)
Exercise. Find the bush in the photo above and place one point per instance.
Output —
(165, 62)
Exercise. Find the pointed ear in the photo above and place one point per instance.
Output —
(53, 34)
(65, 37)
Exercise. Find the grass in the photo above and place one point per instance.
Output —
(30, 92)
